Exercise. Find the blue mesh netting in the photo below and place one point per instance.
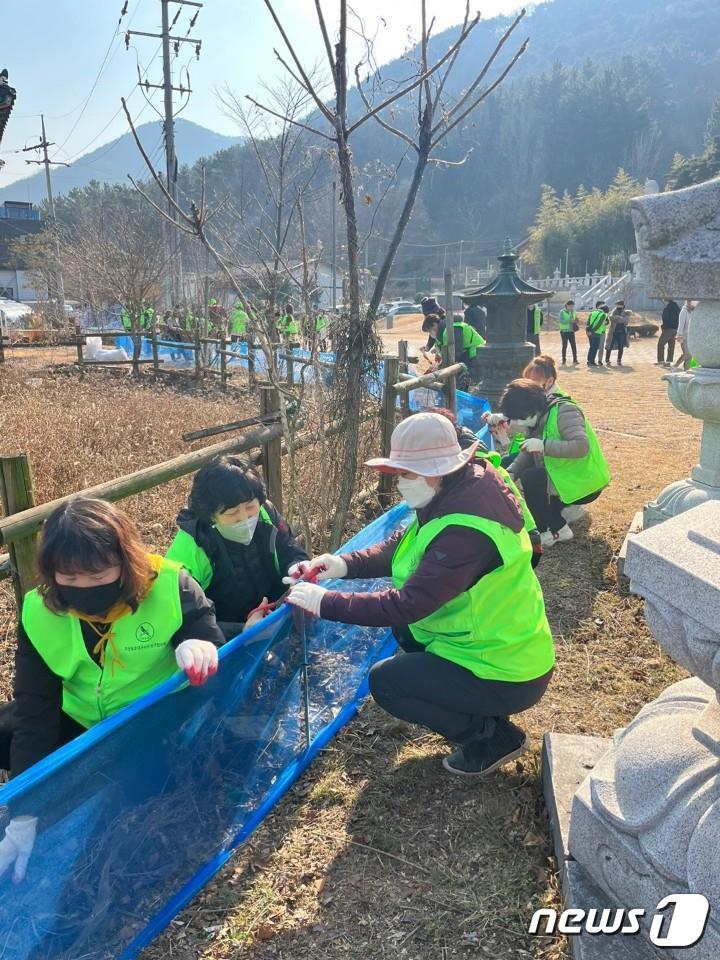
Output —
(139, 812)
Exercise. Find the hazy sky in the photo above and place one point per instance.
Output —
(54, 50)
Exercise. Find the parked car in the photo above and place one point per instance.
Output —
(400, 309)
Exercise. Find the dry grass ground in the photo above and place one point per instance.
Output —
(377, 852)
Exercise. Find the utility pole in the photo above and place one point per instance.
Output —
(47, 162)
(174, 285)
(334, 246)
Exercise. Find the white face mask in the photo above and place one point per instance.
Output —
(522, 426)
(417, 492)
(241, 532)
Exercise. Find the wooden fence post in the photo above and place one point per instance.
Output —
(450, 391)
(79, 341)
(251, 362)
(390, 378)
(404, 368)
(223, 357)
(154, 343)
(17, 495)
(272, 451)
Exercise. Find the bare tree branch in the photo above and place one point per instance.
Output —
(295, 123)
(488, 63)
(326, 38)
(483, 96)
(418, 80)
(446, 74)
(383, 123)
(308, 85)
(435, 161)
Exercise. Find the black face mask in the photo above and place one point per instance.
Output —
(91, 600)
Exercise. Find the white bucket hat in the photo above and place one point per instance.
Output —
(426, 444)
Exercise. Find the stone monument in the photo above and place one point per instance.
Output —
(506, 298)
(643, 829)
(678, 239)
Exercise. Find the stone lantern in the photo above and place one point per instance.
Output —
(506, 299)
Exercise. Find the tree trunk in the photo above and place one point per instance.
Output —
(408, 207)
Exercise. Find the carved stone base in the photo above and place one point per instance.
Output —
(646, 823)
(676, 499)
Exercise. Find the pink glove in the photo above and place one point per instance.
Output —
(198, 658)
(307, 596)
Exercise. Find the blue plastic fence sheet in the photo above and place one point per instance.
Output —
(469, 408)
(137, 814)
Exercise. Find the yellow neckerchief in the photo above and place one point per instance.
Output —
(114, 614)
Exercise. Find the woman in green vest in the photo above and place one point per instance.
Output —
(464, 602)
(234, 542)
(568, 325)
(238, 322)
(107, 623)
(560, 463)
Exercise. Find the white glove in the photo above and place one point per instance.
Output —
(16, 846)
(307, 596)
(493, 419)
(533, 445)
(198, 658)
(331, 567)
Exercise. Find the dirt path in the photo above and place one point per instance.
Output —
(377, 852)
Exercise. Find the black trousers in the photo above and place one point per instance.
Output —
(595, 345)
(568, 337)
(667, 339)
(444, 697)
(69, 729)
(618, 343)
(534, 339)
(546, 509)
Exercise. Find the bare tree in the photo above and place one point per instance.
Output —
(333, 124)
(119, 258)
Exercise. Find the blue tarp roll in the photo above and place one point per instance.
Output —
(137, 814)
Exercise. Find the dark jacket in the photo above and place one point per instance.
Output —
(243, 575)
(477, 319)
(671, 316)
(38, 693)
(456, 560)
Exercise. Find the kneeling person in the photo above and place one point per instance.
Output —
(465, 603)
(234, 542)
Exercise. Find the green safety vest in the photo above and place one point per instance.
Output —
(320, 323)
(471, 338)
(142, 640)
(537, 320)
(239, 321)
(126, 319)
(495, 459)
(597, 322)
(497, 629)
(515, 443)
(288, 323)
(187, 552)
(575, 478)
(567, 318)
(189, 322)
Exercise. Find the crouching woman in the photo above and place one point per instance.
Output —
(465, 603)
(560, 464)
(107, 623)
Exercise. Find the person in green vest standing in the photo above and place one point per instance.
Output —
(568, 323)
(238, 322)
(126, 319)
(464, 603)
(288, 325)
(321, 330)
(234, 542)
(597, 324)
(107, 623)
(534, 323)
(560, 464)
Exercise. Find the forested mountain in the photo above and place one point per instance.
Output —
(622, 83)
(111, 162)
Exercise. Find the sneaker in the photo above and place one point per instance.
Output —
(564, 534)
(573, 513)
(575, 363)
(480, 757)
(564, 363)
(601, 364)
(547, 540)
(592, 364)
